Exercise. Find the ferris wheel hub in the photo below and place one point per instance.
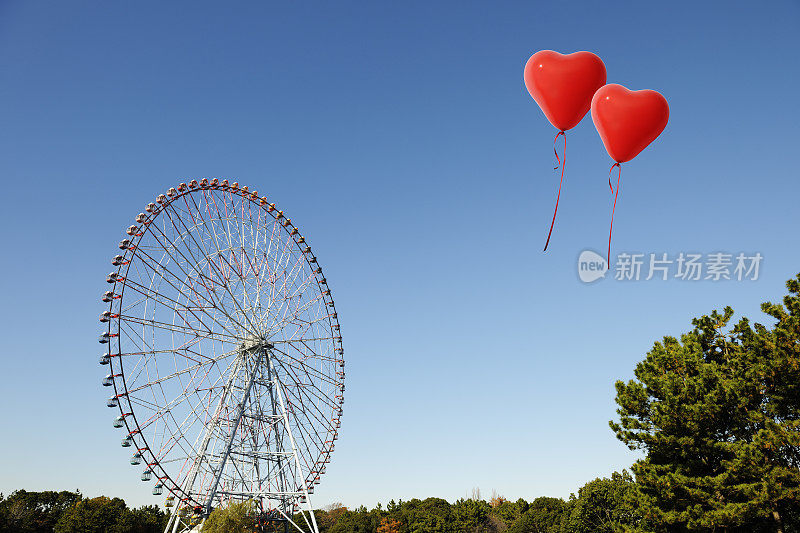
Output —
(255, 343)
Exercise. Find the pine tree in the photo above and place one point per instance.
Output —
(717, 414)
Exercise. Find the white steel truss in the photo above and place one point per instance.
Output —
(224, 354)
(273, 462)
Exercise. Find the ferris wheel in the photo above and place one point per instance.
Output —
(224, 355)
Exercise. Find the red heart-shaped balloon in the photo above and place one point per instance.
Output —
(563, 85)
(628, 121)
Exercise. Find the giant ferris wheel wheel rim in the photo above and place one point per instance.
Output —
(301, 382)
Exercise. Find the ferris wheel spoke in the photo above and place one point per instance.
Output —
(301, 434)
(318, 299)
(184, 347)
(279, 266)
(219, 304)
(186, 352)
(310, 426)
(144, 353)
(323, 422)
(263, 269)
(141, 299)
(274, 234)
(296, 267)
(309, 352)
(288, 298)
(132, 334)
(173, 244)
(306, 368)
(158, 266)
(230, 216)
(303, 340)
(207, 333)
(179, 435)
(197, 268)
(220, 218)
(254, 329)
(256, 240)
(178, 307)
(258, 287)
(169, 406)
(300, 289)
(211, 361)
(253, 267)
(302, 329)
(148, 292)
(191, 234)
(166, 413)
(319, 397)
(311, 373)
(306, 453)
(303, 326)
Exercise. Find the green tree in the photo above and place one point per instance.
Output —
(717, 414)
(470, 515)
(358, 521)
(93, 515)
(145, 519)
(542, 515)
(431, 515)
(508, 512)
(328, 517)
(235, 518)
(34, 512)
(604, 505)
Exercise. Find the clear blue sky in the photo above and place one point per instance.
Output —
(402, 141)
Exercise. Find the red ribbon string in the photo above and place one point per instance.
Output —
(619, 178)
(560, 164)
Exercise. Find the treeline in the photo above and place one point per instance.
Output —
(602, 505)
(70, 512)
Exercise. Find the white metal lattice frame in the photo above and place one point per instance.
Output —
(211, 276)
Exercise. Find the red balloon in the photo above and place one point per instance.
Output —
(563, 85)
(628, 121)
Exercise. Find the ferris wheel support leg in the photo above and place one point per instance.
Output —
(171, 522)
(290, 521)
(277, 387)
(190, 479)
(283, 485)
(174, 521)
(240, 412)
